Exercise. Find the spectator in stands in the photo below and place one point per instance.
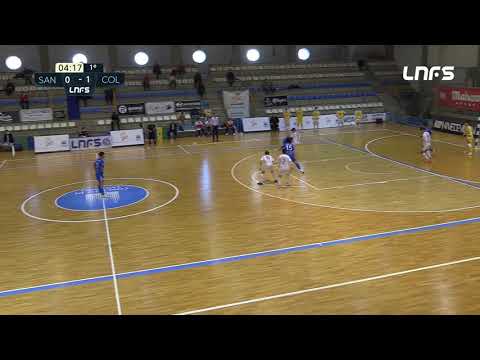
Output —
(230, 76)
(181, 70)
(9, 88)
(201, 90)
(229, 127)
(172, 79)
(26, 74)
(146, 82)
(85, 99)
(199, 128)
(152, 134)
(115, 125)
(83, 133)
(24, 101)
(109, 96)
(172, 130)
(157, 70)
(181, 118)
(197, 80)
(267, 87)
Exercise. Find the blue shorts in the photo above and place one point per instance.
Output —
(292, 156)
(99, 177)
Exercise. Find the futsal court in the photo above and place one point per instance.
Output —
(185, 229)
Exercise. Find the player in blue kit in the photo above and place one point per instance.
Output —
(99, 165)
(289, 148)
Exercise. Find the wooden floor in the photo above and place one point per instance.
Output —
(368, 229)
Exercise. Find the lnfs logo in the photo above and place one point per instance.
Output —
(429, 74)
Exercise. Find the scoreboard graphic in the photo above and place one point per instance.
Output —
(79, 79)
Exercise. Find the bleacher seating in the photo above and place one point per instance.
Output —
(293, 77)
(326, 87)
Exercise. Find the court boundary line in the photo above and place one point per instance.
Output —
(186, 152)
(347, 167)
(240, 257)
(232, 173)
(112, 262)
(463, 182)
(361, 184)
(331, 286)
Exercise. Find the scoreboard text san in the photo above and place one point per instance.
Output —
(79, 79)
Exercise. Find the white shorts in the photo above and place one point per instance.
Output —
(284, 171)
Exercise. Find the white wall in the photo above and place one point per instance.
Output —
(457, 55)
(367, 51)
(29, 54)
(269, 54)
(126, 53)
(216, 54)
(408, 55)
(321, 53)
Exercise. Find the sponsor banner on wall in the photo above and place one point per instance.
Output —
(453, 126)
(159, 108)
(40, 114)
(8, 117)
(371, 118)
(349, 120)
(127, 137)
(237, 103)
(459, 98)
(188, 105)
(256, 124)
(59, 114)
(131, 109)
(51, 143)
(270, 101)
(86, 143)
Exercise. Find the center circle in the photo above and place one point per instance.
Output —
(37, 196)
(90, 199)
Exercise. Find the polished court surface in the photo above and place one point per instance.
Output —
(368, 229)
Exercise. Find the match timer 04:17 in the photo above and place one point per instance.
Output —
(79, 79)
(77, 68)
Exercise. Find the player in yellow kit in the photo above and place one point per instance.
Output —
(340, 116)
(286, 117)
(468, 133)
(358, 117)
(299, 115)
(315, 118)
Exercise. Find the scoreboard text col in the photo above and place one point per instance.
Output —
(79, 79)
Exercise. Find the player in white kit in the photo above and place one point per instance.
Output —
(427, 145)
(266, 166)
(284, 167)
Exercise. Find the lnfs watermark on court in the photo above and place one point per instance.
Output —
(428, 74)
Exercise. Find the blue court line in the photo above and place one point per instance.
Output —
(231, 259)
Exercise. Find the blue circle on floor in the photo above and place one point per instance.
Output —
(90, 199)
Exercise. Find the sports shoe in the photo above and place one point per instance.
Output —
(260, 183)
